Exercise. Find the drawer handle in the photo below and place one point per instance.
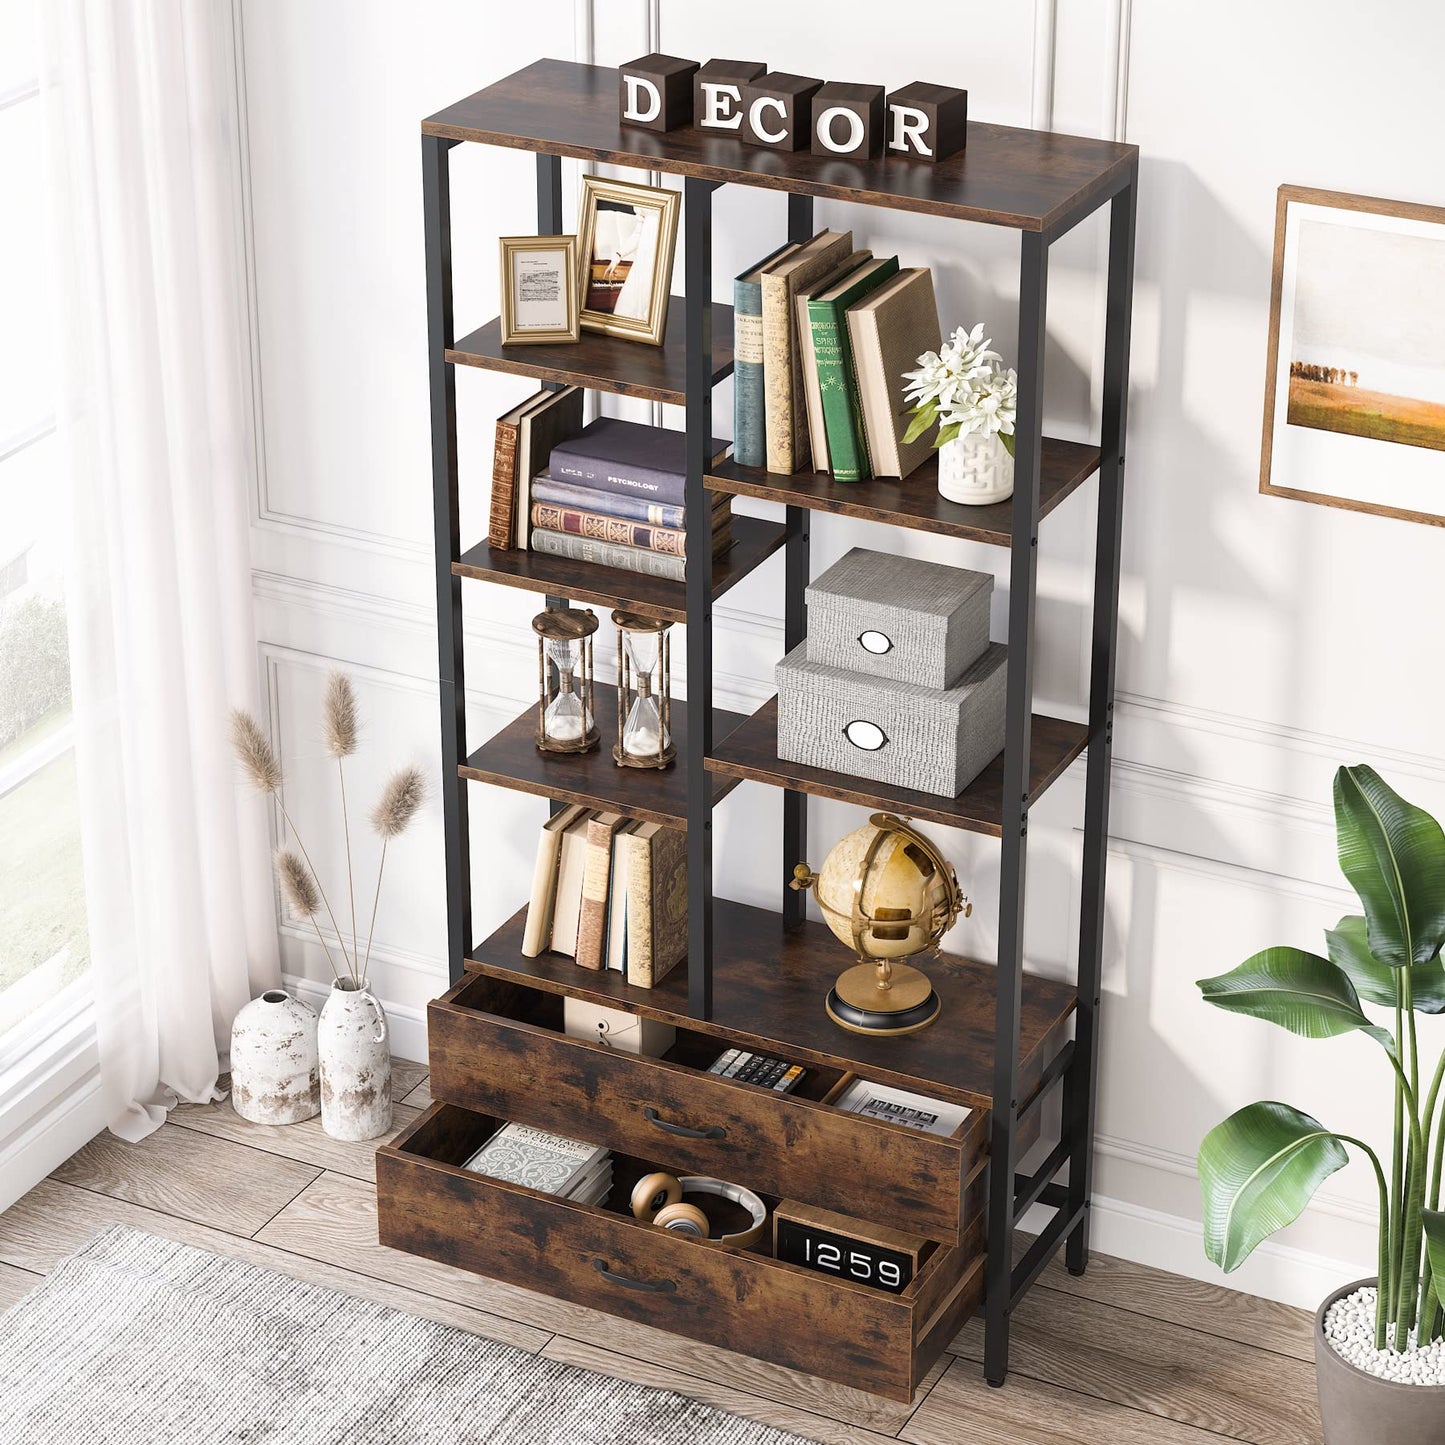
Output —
(647, 1286)
(867, 736)
(681, 1130)
(875, 642)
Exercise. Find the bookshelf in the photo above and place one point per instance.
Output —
(1009, 1044)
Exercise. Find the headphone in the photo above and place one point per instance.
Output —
(658, 1199)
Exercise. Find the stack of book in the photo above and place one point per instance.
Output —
(610, 892)
(551, 1163)
(822, 336)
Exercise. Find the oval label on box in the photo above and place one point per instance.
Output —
(866, 735)
(875, 642)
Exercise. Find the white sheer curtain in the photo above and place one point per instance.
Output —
(144, 139)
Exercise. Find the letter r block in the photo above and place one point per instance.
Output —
(655, 92)
(927, 122)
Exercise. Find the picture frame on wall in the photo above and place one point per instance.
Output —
(1354, 407)
(626, 237)
(541, 303)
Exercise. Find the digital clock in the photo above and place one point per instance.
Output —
(835, 1244)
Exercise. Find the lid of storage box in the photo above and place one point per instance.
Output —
(884, 579)
(796, 669)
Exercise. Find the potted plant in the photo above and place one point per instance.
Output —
(965, 389)
(1379, 1352)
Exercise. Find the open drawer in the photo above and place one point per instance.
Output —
(600, 1256)
(499, 1047)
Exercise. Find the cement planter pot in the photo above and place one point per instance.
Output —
(1357, 1408)
(355, 1047)
(275, 1076)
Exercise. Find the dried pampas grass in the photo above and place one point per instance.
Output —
(254, 752)
(403, 795)
(342, 724)
(298, 884)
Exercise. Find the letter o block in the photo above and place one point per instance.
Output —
(848, 120)
(717, 94)
(776, 113)
(655, 92)
(927, 122)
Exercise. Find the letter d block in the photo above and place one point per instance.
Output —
(927, 122)
(848, 120)
(655, 92)
(775, 111)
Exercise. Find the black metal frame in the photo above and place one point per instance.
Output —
(1010, 1193)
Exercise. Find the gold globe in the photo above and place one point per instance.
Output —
(888, 893)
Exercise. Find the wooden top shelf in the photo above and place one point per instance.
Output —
(605, 363)
(751, 752)
(914, 502)
(768, 989)
(754, 540)
(1030, 180)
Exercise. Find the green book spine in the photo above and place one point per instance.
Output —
(842, 410)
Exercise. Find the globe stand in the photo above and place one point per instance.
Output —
(883, 998)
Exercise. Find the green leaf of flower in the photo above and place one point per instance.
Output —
(1348, 945)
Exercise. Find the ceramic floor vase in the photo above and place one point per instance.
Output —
(355, 1047)
(977, 471)
(1357, 1408)
(275, 1076)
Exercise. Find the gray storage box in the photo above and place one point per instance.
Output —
(897, 617)
(933, 740)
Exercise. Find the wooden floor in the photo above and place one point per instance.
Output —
(1124, 1356)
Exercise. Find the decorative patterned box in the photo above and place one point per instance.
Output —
(934, 740)
(888, 616)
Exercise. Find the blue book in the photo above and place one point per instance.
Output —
(750, 440)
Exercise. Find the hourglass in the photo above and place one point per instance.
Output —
(565, 719)
(644, 692)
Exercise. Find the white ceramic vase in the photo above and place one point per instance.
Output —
(355, 1047)
(975, 470)
(275, 1076)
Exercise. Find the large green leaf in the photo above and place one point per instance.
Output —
(1393, 853)
(1349, 949)
(1257, 1171)
(1299, 991)
(1435, 1247)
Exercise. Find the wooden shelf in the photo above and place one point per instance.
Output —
(754, 540)
(768, 990)
(605, 363)
(510, 760)
(751, 752)
(914, 502)
(1031, 180)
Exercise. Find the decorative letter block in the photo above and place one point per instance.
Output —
(717, 93)
(775, 111)
(848, 120)
(927, 122)
(655, 92)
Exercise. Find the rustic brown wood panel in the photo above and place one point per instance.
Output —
(1031, 180)
(769, 986)
(914, 502)
(498, 1049)
(750, 752)
(510, 759)
(605, 363)
(754, 541)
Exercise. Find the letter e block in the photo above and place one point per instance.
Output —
(717, 93)
(927, 122)
(655, 92)
(775, 111)
(848, 120)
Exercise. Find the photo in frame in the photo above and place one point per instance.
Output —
(1354, 412)
(540, 298)
(626, 236)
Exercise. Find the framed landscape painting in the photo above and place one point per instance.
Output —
(1354, 409)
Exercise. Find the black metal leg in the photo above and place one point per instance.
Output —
(800, 217)
(436, 200)
(549, 195)
(1081, 1083)
(1023, 570)
(697, 218)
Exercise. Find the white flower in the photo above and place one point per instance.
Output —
(966, 385)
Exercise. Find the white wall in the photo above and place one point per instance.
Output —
(1264, 641)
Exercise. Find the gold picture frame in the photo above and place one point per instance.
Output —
(626, 237)
(541, 303)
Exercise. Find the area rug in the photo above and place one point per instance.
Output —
(138, 1339)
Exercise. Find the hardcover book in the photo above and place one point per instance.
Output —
(583, 498)
(608, 554)
(617, 899)
(833, 354)
(552, 420)
(889, 330)
(571, 866)
(592, 921)
(668, 540)
(901, 1106)
(627, 458)
(538, 931)
(535, 1159)
(502, 518)
(812, 382)
(656, 902)
(750, 443)
(786, 424)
